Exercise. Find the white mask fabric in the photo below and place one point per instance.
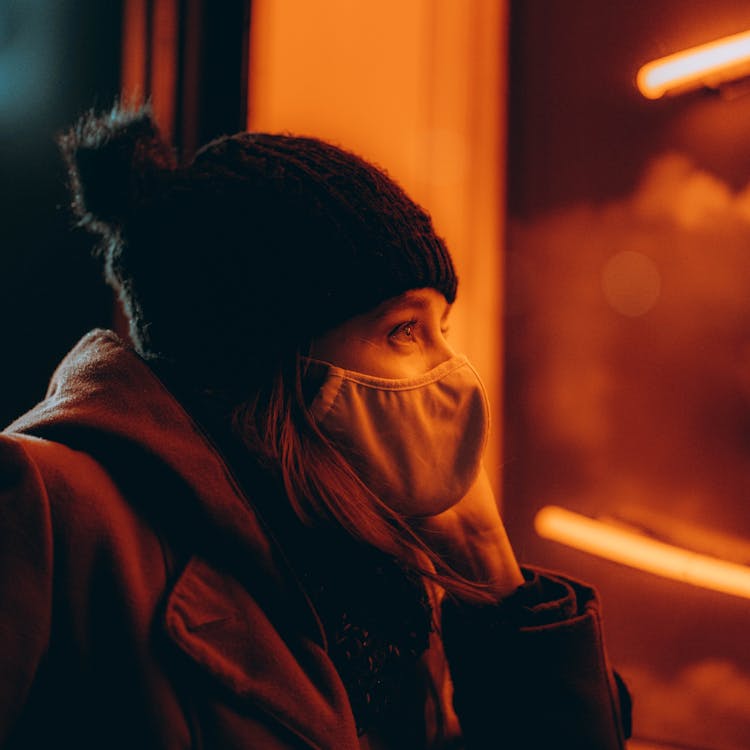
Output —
(416, 442)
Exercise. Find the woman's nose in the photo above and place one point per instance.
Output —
(440, 352)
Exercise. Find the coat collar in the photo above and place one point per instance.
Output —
(103, 393)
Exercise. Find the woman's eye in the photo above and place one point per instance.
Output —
(404, 332)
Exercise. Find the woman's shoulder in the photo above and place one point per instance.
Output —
(51, 491)
(54, 473)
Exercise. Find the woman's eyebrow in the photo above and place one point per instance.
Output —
(408, 302)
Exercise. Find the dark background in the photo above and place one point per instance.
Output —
(57, 59)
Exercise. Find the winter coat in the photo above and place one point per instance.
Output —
(143, 602)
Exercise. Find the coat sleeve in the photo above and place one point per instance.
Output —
(532, 672)
(25, 579)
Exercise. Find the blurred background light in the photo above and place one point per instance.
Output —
(708, 65)
(631, 283)
(629, 547)
(30, 32)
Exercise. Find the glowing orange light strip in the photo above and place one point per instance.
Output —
(707, 65)
(630, 548)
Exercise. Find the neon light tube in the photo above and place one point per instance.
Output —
(637, 551)
(709, 65)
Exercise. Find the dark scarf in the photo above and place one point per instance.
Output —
(377, 618)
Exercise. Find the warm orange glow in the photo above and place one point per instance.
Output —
(134, 35)
(628, 547)
(149, 58)
(708, 65)
(419, 88)
(164, 44)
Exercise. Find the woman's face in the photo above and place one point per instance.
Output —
(403, 337)
(418, 445)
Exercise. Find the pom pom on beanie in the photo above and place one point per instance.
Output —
(111, 161)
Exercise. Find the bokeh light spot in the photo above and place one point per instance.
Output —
(631, 283)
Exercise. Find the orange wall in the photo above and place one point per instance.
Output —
(419, 88)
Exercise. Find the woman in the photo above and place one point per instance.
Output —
(265, 523)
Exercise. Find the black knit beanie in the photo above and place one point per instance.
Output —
(232, 262)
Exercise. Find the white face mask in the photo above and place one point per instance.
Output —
(416, 442)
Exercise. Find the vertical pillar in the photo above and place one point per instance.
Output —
(189, 58)
(419, 88)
